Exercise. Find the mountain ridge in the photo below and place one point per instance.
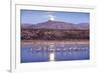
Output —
(56, 25)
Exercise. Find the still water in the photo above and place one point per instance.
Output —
(62, 52)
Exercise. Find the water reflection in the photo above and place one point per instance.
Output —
(62, 52)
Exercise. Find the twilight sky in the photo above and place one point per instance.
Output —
(34, 16)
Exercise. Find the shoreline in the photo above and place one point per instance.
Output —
(23, 42)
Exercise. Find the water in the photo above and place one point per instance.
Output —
(62, 52)
(72, 52)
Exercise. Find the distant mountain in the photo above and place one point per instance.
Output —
(56, 25)
(83, 25)
(26, 25)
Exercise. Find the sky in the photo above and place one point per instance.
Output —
(34, 16)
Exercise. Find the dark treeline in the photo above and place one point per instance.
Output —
(53, 34)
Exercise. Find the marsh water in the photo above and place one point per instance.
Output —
(62, 52)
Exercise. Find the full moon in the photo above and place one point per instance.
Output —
(51, 17)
